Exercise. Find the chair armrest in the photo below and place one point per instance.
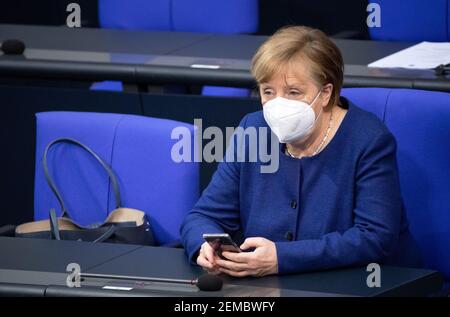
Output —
(7, 231)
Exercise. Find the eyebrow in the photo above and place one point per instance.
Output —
(265, 86)
(296, 86)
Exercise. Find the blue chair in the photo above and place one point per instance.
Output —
(139, 151)
(135, 14)
(107, 85)
(413, 20)
(230, 17)
(420, 121)
(225, 17)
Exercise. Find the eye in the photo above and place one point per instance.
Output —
(267, 92)
(294, 92)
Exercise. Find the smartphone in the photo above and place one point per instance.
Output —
(221, 242)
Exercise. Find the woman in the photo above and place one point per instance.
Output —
(335, 199)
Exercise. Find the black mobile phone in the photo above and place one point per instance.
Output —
(221, 242)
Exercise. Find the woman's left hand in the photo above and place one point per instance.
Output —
(260, 262)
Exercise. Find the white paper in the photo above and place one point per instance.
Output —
(425, 55)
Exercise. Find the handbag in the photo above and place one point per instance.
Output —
(122, 225)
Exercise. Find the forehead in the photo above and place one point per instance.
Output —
(293, 73)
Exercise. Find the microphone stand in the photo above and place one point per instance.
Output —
(138, 278)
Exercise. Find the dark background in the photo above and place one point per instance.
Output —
(338, 18)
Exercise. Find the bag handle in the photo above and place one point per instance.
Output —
(55, 235)
(54, 228)
(108, 234)
(105, 166)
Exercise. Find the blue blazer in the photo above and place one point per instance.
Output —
(341, 207)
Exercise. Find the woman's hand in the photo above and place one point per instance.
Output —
(260, 262)
(207, 259)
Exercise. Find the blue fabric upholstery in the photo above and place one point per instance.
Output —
(227, 17)
(135, 14)
(225, 91)
(230, 17)
(137, 148)
(107, 85)
(448, 28)
(420, 121)
(413, 20)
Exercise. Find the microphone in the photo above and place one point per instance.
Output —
(13, 47)
(206, 282)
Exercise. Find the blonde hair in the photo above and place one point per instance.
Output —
(292, 43)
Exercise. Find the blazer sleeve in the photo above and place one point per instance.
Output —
(217, 210)
(377, 217)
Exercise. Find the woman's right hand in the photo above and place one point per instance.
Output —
(207, 259)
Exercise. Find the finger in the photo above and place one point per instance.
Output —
(211, 257)
(232, 265)
(252, 243)
(209, 254)
(239, 257)
(214, 272)
(233, 273)
(203, 262)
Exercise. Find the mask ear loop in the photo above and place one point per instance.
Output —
(315, 98)
(321, 108)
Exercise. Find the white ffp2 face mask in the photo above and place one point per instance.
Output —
(290, 120)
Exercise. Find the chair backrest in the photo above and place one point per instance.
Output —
(139, 151)
(227, 17)
(413, 20)
(420, 122)
(135, 14)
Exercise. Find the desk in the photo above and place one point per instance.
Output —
(166, 58)
(36, 267)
